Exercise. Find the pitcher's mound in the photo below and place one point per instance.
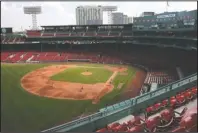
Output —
(86, 73)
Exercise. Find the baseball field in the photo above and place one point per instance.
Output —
(35, 97)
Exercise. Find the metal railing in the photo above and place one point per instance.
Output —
(177, 85)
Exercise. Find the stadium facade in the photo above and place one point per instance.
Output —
(147, 14)
(167, 19)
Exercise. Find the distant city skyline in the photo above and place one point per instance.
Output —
(63, 13)
(93, 15)
(87, 15)
(121, 18)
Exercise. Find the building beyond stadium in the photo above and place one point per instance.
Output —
(167, 20)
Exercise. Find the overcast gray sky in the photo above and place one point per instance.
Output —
(63, 13)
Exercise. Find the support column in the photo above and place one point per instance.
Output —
(34, 22)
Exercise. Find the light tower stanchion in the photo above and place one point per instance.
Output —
(33, 11)
(34, 21)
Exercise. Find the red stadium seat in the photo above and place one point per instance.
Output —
(164, 103)
(173, 102)
(150, 109)
(180, 98)
(167, 114)
(157, 106)
(188, 94)
(194, 90)
(152, 123)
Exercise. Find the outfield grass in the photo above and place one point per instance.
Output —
(99, 75)
(22, 111)
(124, 78)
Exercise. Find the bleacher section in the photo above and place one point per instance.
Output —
(74, 33)
(33, 33)
(12, 39)
(90, 31)
(102, 32)
(16, 57)
(115, 31)
(159, 77)
(26, 56)
(55, 57)
(78, 31)
(4, 56)
(62, 34)
(48, 34)
(126, 31)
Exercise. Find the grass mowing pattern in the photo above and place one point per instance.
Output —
(99, 75)
(126, 79)
(22, 111)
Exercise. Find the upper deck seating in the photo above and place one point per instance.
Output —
(32, 33)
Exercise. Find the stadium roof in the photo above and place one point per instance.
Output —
(85, 25)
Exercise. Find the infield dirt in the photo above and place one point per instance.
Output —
(38, 82)
(86, 73)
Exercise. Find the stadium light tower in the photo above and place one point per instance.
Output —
(33, 10)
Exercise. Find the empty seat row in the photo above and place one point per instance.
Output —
(165, 120)
(174, 102)
(55, 56)
(158, 77)
(168, 120)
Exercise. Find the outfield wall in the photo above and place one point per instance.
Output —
(125, 108)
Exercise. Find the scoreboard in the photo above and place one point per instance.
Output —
(6, 30)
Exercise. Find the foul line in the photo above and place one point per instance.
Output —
(112, 77)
